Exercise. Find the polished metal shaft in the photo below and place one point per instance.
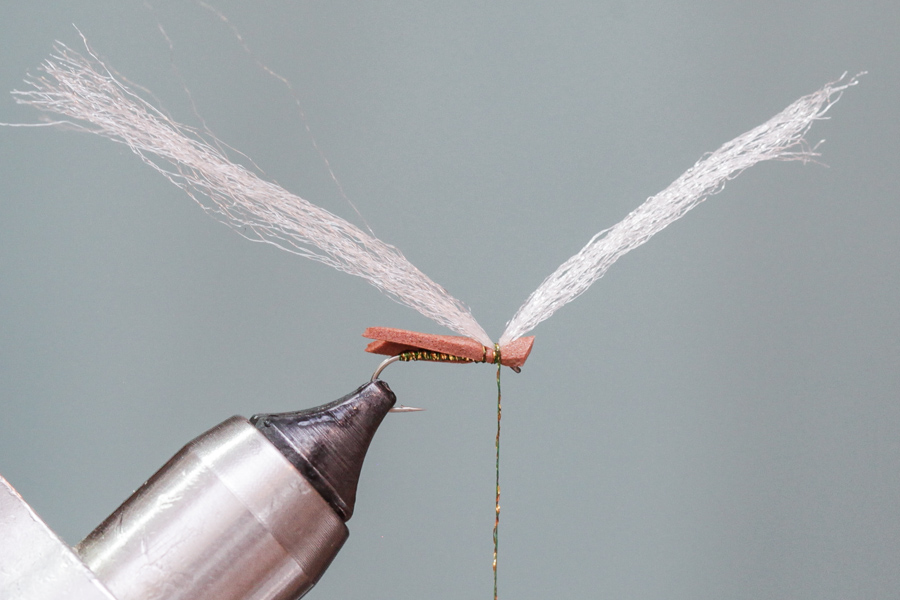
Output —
(227, 518)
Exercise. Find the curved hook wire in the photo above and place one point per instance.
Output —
(381, 367)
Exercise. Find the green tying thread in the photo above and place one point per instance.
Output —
(497, 469)
(429, 355)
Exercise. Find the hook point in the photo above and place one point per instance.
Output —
(405, 409)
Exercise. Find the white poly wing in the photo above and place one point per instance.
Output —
(84, 89)
(781, 137)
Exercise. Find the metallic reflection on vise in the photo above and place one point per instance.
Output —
(234, 515)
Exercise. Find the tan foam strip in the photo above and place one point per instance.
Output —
(391, 341)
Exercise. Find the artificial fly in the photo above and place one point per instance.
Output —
(84, 89)
(403, 345)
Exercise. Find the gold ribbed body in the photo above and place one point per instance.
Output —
(433, 356)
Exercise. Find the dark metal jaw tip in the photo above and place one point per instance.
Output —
(328, 443)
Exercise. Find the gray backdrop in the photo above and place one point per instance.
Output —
(716, 418)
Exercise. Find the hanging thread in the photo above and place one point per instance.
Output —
(428, 355)
(497, 470)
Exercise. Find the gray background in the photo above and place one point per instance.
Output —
(716, 418)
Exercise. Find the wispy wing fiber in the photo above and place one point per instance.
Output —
(781, 137)
(85, 90)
